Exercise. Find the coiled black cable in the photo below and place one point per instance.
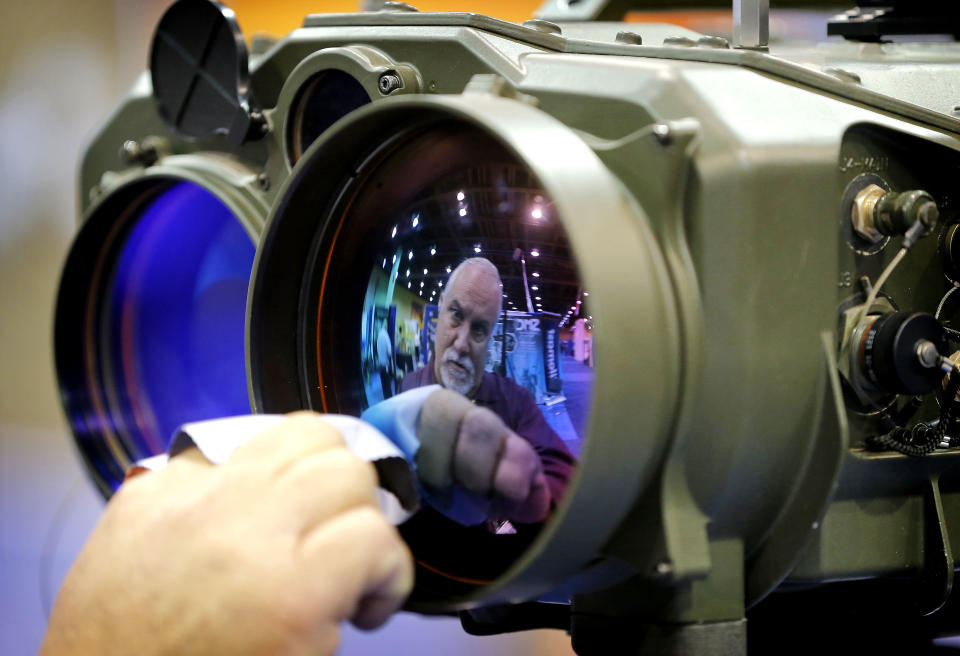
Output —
(907, 411)
(924, 438)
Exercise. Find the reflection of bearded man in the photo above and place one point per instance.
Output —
(468, 311)
(457, 372)
(469, 307)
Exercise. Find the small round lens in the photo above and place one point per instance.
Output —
(325, 98)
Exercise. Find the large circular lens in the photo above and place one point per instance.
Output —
(453, 269)
(150, 316)
(442, 242)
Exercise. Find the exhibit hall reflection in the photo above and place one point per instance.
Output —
(442, 302)
(497, 435)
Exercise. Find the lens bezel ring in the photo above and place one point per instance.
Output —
(362, 63)
(635, 314)
(101, 238)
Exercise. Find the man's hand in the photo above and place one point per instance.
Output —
(264, 554)
(469, 446)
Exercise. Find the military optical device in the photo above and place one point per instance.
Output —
(741, 258)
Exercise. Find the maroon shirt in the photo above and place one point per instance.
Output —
(518, 410)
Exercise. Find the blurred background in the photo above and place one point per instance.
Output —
(64, 66)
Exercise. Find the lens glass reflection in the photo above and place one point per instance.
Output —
(165, 334)
(325, 98)
(464, 278)
(483, 238)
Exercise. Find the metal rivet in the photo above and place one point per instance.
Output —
(713, 42)
(129, 151)
(258, 124)
(680, 41)
(389, 82)
(662, 134)
(398, 7)
(542, 26)
(630, 38)
(663, 569)
(842, 75)
(132, 152)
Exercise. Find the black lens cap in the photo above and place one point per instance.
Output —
(198, 67)
(891, 356)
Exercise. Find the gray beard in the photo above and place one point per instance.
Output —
(455, 383)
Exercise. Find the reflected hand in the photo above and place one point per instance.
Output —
(470, 446)
(264, 554)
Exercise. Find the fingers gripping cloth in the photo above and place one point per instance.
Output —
(413, 440)
(217, 439)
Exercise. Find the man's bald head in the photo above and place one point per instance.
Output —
(479, 269)
(469, 307)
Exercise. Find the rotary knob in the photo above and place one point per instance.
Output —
(900, 352)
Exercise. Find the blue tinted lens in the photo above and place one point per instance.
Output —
(174, 319)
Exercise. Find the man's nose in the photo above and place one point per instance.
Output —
(460, 341)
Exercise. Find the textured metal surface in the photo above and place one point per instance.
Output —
(886, 96)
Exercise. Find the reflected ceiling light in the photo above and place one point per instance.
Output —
(476, 248)
(536, 274)
(537, 213)
(433, 250)
(586, 293)
(394, 233)
(424, 272)
(410, 255)
(460, 195)
(416, 220)
(535, 288)
(535, 252)
(463, 211)
(448, 269)
(408, 273)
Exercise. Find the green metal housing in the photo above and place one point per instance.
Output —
(731, 166)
